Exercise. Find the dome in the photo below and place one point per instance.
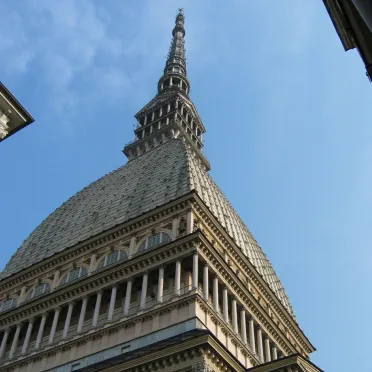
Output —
(151, 180)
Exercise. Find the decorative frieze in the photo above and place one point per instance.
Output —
(146, 261)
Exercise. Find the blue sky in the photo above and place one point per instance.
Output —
(287, 113)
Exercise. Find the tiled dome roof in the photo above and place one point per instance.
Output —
(151, 180)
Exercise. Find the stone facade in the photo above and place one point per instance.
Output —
(172, 281)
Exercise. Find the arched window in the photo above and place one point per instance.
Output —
(112, 258)
(7, 304)
(74, 274)
(39, 290)
(154, 240)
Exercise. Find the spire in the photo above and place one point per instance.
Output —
(174, 76)
(170, 114)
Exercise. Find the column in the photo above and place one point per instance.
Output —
(82, 314)
(97, 309)
(195, 273)
(144, 290)
(112, 302)
(39, 337)
(260, 345)
(3, 343)
(234, 315)
(188, 281)
(177, 279)
(267, 350)
(68, 320)
(160, 285)
(215, 293)
(225, 300)
(252, 341)
(127, 297)
(26, 342)
(205, 283)
(168, 107)
(243, 326)
(145, 121)
(15, 341)
(190, 222)
(274, 353)
(54, 325)
(92, 264)
(174, 228)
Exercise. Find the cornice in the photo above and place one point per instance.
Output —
(204, 347)
(246, 298)
(123, 271)
(292, 361)
(249, 269)
(97, 333)
(226, 329)
(127, 228)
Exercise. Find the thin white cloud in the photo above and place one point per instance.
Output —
(64, 39)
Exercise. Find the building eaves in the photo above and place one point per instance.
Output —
(20, 111)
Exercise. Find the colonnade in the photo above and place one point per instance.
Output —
(44, 330)
(252, 334)
(180, 277)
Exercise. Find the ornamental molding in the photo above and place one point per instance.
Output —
(124, 231)
(201, 352)
(123, 271)
(95, 334)
(245, 298)
(248, 268)
(228, 331)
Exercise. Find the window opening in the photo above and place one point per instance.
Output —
(74, 274)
